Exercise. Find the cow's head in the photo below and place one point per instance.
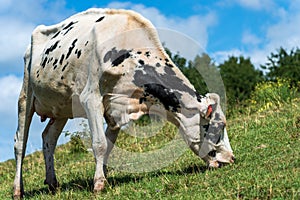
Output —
(215, 148)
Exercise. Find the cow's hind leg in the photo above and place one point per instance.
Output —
(25, 113)
(50, 137)
(111, 137)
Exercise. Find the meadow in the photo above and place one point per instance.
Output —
(265, 140)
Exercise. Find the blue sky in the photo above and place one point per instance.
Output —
(253, 28)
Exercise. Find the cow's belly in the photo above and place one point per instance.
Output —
(56, 93)
(56, 100)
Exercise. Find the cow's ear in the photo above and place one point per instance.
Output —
(215, 98)
(213, 102)
(209, 111)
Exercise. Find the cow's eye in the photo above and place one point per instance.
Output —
(206, 127)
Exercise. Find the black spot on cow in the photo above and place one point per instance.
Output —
(139, 52)
(55, 62)
(212, 153)
(68, 30)
(164, 95)
(141, 62)
(64, 67)
(69, 25)
(78, 54)
(147, 74)
(61, 59)
(100, 19)
(217, 117)
(169, 71)
(43, 64)
(52, 48)
(199, 97)
(147, 53)
(56, 34)
(213, 132)
(169, 65)
(71, 48)
(116, 57)
(62, 77)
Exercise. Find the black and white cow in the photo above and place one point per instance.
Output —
(110, 63)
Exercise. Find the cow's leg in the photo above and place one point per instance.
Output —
(50, 137)
(92, 103)
(111, 137)
(25, 113)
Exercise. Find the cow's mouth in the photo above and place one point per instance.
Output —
(220, 159)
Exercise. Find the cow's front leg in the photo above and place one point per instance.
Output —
(111, 137)
(50, 137)
(94, 109)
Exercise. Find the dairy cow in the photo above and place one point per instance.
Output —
(110, 63)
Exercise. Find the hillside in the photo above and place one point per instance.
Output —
(266, 146)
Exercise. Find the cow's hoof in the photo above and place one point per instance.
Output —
(99, 185)
(18, 193)
(52, 186)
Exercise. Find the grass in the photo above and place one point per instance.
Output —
(266, 146)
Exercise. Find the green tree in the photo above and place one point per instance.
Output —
(191, 70)
(284, 65)
(240, 77)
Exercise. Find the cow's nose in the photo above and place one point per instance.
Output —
(232, 159)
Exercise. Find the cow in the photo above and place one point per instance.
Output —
(110, 64)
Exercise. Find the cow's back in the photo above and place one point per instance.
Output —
(62, 54)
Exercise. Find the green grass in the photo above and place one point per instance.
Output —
(266, 146)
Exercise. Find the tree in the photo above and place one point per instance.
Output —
(284, 65)
(240, 77)
(191, 69)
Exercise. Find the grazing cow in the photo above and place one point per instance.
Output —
(110, 63)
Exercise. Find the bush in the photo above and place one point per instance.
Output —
(271, 95)
(80, 140)
(77, 145)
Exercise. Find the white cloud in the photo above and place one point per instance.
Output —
(17, 23)
(257, 4)
(220, 56)
(285, 33)
(250, 39)
(254, 4)
(10, 89)
(14, 41)
(282, 33)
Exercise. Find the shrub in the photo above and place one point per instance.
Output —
(80, 140)
(271, 95)
(77, 145)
